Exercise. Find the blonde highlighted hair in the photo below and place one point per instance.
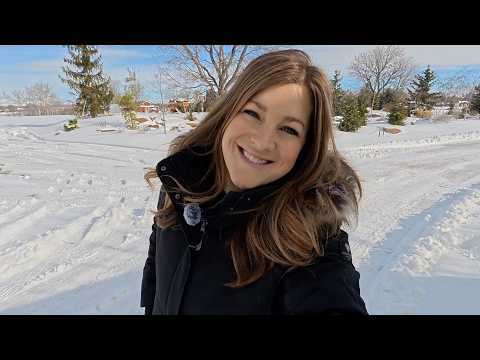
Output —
(290, 226)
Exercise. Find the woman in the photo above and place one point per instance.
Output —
(252, 202)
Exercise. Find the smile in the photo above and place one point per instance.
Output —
(252, 159)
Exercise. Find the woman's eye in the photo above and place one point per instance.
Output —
(251, 113)
(290, 130)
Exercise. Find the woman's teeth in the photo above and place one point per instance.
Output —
(253, 158)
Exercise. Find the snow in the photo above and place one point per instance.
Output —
(75, 214)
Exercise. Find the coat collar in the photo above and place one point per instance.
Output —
(189, 167)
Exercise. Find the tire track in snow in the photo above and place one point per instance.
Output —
(411, 232)
(383, 149)
(55, 247)
(9, 230)
(72, 244)
(17, 209)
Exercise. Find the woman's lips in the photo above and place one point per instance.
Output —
(251, 159)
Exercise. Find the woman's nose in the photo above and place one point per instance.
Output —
(263, 140)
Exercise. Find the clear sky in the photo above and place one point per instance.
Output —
(24, 65)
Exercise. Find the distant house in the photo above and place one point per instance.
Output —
(173, 104)
(440, 110)
(463, 104)
(147, 106)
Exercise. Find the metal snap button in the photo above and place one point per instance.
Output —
(177, 196)
(163, 168)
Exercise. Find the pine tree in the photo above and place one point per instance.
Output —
(129, 107)
(352, 115)
(397, 114)
(475, 102)
(422, 85)
(362, 110)
(128, 101)
(337, 92)
(84, 75)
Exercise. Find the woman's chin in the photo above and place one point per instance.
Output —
(239, 185)
(245, 184)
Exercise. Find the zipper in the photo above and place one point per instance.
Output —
(203, 231)
(197, 247)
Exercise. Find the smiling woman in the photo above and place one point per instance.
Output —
(263, 140)
(252, 203)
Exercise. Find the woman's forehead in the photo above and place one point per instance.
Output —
(291, 99)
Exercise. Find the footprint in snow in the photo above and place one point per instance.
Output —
(138, 212)
(90, 182)
(123, 182)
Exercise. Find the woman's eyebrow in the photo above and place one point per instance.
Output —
(288, 118)
(261, 106)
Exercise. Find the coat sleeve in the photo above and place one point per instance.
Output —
(330, 286)
(149, 276)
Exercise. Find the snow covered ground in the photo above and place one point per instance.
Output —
(75, 219)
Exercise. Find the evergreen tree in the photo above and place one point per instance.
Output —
(397, 114)
(362, 110)
(128, 101)
(84, 75)
(352, 116)
(422, 85)
(475, 101)
(129, 107)
(337, 92)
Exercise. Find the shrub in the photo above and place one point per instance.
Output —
(352, 118)
(129, 107)
(423, 113)
(397, 115)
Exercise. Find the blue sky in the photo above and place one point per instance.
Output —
(24, 65)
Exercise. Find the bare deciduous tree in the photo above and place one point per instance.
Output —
(116, 87)
(459, 85)
(133, 86)
(208, 67)
(160, 86)
(42, 96)
(39, 96)
(382, 67)
(17, 97)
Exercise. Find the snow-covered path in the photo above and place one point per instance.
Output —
(416, 201)
(72, 217)
(75, 220)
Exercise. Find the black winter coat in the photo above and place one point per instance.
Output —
(188, 265)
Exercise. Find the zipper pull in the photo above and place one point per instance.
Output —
(202, 230)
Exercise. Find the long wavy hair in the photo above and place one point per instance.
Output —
(291, 225)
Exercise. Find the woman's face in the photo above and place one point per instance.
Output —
(262, 142)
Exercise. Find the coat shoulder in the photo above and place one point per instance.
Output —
(330, 285)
